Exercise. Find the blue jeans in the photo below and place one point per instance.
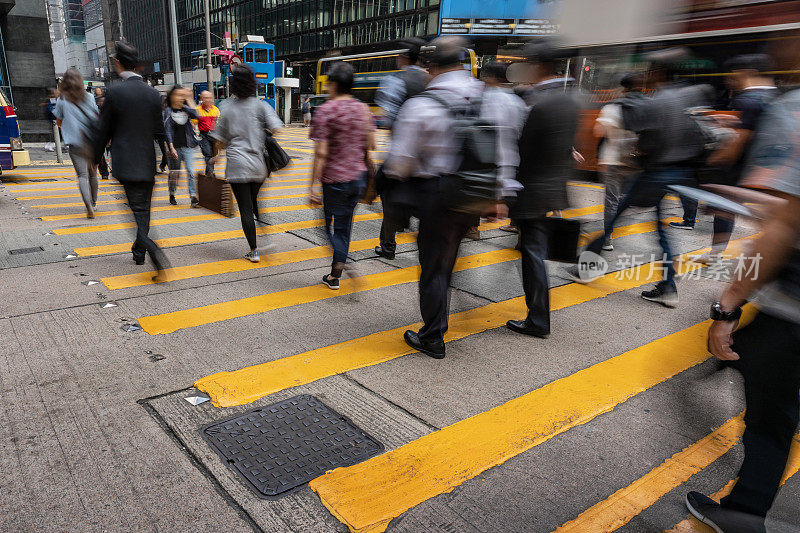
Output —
(186, 156)
(648, 190)
(339, 202)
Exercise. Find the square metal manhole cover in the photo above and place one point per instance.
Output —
(279, 448)
(20, 251)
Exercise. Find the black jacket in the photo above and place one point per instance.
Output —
(545, 150)
(131, 119)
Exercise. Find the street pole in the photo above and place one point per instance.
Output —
(57, 139)
(176, 52)
(209, 71)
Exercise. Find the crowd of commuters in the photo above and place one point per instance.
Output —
(463, 149)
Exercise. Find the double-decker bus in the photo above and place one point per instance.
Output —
(11, 152)
(259, 56)
(370, 69)
(712, 31)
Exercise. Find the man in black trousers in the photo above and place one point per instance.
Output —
(545, 150)
(131, 119)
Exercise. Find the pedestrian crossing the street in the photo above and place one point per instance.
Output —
(215, 291)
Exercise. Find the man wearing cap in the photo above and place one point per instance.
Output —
(131, 120)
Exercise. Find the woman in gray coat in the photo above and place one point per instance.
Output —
(241, 129)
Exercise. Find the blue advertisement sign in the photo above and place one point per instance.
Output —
(496, 17)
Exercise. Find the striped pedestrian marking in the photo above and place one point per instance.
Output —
(246, 385)
(209, 314)
(124, 225)
(158, 189)
(627, 503)
(281, 258)
(367, 496)
(117, 186)
(263, 196)
(203, 238)
(692, 525)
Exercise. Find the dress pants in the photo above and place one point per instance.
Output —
(769, 350)
(139, 194)
(533, 237)
(440, 233)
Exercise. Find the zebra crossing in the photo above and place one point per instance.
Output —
(378, 494)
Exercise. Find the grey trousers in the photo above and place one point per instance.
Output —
(617, 179)
(87, 177)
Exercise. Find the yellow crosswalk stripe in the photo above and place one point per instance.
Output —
(210, 237)
(242, 265)
(367, 496)
(156, 189)
(125, 225)
(208, 314)
(692, 525)
(281, 258)
(262, 196)
(246, 385)
(263, 210)
(117, 187)
(622, 506)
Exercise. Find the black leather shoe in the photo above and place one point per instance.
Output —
(433, 349)
(380, 252)
(138, 260)
(526, 328)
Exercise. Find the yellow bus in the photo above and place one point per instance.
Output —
(371, 68)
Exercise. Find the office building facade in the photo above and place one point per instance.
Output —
(26, 63)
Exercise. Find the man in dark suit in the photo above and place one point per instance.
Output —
(131, 119)
(545, 149)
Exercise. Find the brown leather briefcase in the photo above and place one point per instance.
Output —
(215, 194)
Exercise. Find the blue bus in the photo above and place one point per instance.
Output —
(261, 58)
(11, 152)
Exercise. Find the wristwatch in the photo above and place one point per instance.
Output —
(725, 316)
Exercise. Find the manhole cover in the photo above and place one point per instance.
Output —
(279, 448)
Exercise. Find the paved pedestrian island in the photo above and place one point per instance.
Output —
(114, 387)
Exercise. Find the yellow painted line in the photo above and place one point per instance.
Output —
(125, 225)
(246, 385)
(367, 496)
(155, 198)
(116, 186)
(242, 265)
(275, 209)
(692, 525)
(209, 314)
(202, 238)
(280, 258)
(625, 504)
(161, 189)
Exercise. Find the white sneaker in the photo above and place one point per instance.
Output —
(253, 256)
(608, 246)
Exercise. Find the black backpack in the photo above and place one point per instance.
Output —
(472, 188)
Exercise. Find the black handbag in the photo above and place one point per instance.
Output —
(275, 156)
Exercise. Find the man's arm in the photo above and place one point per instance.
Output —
(390, 97)
(778, 236)
(104, 130)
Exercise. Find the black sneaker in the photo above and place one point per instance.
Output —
(433, 349)
(195, 202)
(331, 282)
(172, 200)
(664, 294)
(682, 225)
(720, 519)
